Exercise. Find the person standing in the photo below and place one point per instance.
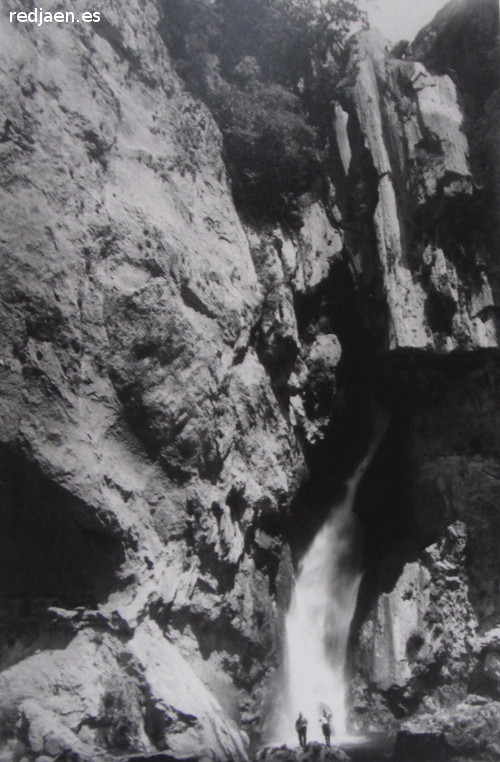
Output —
(301, 728)
(325, 726)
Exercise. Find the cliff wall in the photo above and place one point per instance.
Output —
(426, 626)
(148, 459)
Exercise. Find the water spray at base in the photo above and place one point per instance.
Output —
(318, 622)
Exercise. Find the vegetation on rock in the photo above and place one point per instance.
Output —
(267, 69)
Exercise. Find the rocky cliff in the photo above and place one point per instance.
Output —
(170, 375)
(425, 633)
(147, 460)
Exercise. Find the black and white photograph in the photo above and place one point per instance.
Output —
(249, 381)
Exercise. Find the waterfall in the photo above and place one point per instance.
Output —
(318, 621)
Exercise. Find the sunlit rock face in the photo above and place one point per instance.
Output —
(416, 248)
(148, 453)
(423, 628)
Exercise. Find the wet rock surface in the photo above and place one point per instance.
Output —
(365, 749)
(312, 752)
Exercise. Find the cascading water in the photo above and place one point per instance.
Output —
(318, 621)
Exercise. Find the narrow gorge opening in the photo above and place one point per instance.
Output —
(326, 533)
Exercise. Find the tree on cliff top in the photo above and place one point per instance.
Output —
(268, 70)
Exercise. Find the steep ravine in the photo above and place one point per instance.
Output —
(182, 395)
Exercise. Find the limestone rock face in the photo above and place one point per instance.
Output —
(424, 246)
(470, 731)
(429, 637)
(409, 179)
(422, 633)
(96, 693)
(463, 40)
(148, 460)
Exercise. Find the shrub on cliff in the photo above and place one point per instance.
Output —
(271, 150)
(268, 70)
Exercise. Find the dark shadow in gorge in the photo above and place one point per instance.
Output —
(431, 399)
(55, 552)
(334, 308)
(443, 428)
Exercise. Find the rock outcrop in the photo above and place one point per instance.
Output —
(431, 585)
(436, 581)
(313, 752)
(411, 190)
(470, 731)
